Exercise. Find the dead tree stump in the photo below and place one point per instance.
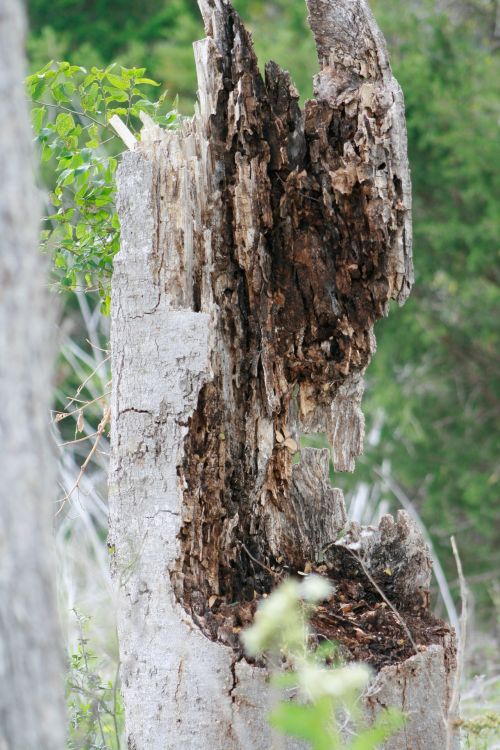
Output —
(260, 243)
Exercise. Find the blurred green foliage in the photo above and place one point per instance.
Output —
(326, 692)
(436, 377)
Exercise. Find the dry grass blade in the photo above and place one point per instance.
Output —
(455, 698)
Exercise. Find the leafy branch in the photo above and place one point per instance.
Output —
(79, 151)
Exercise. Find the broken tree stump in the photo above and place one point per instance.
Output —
(260, 243)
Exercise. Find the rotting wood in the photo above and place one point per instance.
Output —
(260, 243)
(310, 238)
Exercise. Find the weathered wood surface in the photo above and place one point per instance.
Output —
(260, 243)
(32, 713)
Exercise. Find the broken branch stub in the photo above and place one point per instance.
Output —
(260, 243)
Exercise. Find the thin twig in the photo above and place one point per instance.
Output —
(265, 567)
(78, 440)
(386, 600)
(73, 112)
(91, 694)
(455, 696)
(82, 385)
(64, 415)
(102, 424)
(94, 346)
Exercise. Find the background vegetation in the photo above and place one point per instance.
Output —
(433, 390)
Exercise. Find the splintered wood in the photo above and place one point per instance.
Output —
(260, 243)
(292, 230)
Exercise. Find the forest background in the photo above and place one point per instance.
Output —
(433, 399)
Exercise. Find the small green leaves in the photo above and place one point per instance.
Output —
(70, 119)
(95, 710)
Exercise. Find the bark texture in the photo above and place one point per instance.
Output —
(32, 715)
(260, 243)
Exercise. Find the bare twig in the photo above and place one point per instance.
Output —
(78, 440)
(89, 377)
(102, 424)
(72, 111)
(455, 697)
(98, 348)
(393, 609)
(59, 416)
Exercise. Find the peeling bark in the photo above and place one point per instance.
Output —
(260, 243)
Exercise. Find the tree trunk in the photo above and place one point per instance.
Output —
(260, 243)
(31, 669)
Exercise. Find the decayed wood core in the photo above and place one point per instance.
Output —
(295, 250)
(259, 244)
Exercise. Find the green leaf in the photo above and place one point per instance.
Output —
(148, 81)
(45, 68)
(64, 123)
(386, 724)
(305, 721)
(67, 177)
(117, 111)
(133, 72)
(60, 261)
(120, 83)
(38, 88)
(82, 170)
(106, 305)
(47, 152)
(115, 95)
(81, 230)
(59, 93)
(37, 117)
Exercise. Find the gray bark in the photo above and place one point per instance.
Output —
(259, 246)
(31, 668)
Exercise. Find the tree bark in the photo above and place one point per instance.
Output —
(260, 243)
(32, 715)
